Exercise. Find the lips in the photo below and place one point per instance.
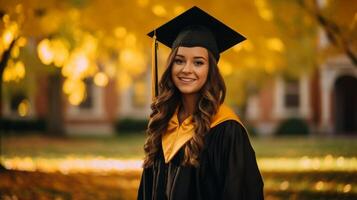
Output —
(186, 79)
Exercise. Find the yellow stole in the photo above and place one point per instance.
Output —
(177, 135)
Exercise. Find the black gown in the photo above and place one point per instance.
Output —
(228, 170)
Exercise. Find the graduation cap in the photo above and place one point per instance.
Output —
(193, 28)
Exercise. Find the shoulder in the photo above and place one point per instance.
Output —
(227, 132)
(231, 123)
(226, 126)
(224, 113)
(229, 127)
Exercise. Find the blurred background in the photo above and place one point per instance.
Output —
(75, 93)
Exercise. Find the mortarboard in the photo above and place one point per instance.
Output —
(192, 28)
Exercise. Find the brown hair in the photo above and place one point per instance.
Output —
(212, 95)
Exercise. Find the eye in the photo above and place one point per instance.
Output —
(178, 61)
(198, 63)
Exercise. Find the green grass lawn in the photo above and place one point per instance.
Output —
(305, 146)
(131, 146)
(279, 185)
(123, 146)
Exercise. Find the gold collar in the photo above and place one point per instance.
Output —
(177, 135)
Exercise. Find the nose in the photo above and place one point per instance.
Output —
(187, 68)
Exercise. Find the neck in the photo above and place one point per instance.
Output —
(188, 105)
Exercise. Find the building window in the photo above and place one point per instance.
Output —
(87, 103)
(292, 94)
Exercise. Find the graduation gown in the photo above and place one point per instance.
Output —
(228, 169)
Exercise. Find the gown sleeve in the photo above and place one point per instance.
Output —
(241, 177)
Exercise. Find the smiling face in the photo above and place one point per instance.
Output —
(190, 69)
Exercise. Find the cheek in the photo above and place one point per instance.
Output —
(174, 71)
(204, 75)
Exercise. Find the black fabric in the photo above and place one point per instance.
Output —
(193, 36)
(216, 37)
(227, 171)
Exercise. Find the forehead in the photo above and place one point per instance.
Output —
(193, 52)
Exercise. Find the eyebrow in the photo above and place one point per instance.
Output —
(196, 57)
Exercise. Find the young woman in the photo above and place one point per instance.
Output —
(196, 146)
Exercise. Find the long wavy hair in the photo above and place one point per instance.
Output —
(212, 95)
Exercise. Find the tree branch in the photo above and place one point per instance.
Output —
(3, 62)
(333, 31)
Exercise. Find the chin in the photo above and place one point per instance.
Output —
(186, 91)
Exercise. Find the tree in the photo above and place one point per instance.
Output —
(3, 62)
(339, 34)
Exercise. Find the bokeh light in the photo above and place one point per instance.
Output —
(14, 71)
(45, 52)
(101, 79)
(23, 108)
